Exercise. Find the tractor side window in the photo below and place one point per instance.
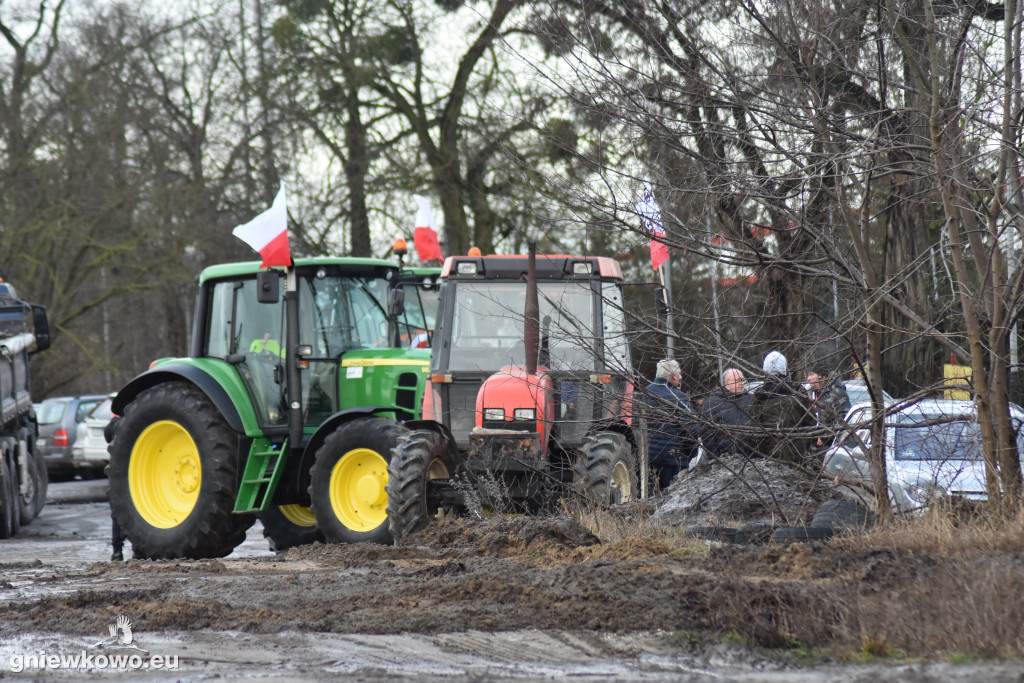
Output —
(219, 332)
(616, 344)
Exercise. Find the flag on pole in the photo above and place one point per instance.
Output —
(425, 239)
(651, 215)
(268, 233)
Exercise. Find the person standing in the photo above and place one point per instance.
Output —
(781, 412)
(830, 403)
(670, 423)
(725, 409)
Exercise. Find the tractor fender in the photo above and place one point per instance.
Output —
(617, 426)
(176, 372)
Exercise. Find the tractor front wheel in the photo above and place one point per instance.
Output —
(173, 465)
(605, 471)
(288, 526)
(419, 457)
(349, 479)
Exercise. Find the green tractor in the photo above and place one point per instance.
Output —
(287, 408)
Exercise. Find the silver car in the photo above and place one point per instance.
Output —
(90, 448)
(933, 449)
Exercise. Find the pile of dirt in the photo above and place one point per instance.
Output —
(736, 490)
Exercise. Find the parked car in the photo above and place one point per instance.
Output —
(857, 390)
(932, 450)
(58, 420)
(90, 448)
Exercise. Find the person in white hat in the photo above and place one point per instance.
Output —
(783, 413)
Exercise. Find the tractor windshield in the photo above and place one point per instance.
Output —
(487, 327)
(338, 314)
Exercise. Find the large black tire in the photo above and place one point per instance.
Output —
(795, 534)
(10, 446)
(348, 481)
(288, 526)
(419, 457)
(43, 475)
(173, 466)
(30, 501)
(8, 497)
(605, 471)
(843, 515)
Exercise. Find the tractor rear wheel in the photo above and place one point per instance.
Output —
(173, 465)
(605, 471)
(288, 526)
(348, 480)
(418, 458)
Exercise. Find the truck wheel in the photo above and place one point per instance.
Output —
(31, 500)
(348, 480)
(173, 465)
(418, 458)
(287, 526)
(8, 497)
(605, 471)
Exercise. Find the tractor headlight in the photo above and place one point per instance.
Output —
(494, 414)
(525, 414)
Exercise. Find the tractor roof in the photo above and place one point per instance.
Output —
(361, 265)
(514, 267)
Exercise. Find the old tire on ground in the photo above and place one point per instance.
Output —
(349, 479)
(712, 533)
(288, 526)
(419, 457)
(605, 471)
(754, 532)
(173, 466)
(798, 534)
(843, 515)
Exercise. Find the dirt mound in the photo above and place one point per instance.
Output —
(735, 490)
(508, 536)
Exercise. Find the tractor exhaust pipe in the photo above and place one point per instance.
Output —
(532, 326)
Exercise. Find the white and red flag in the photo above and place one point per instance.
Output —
(268, 233)
(651, 215)
(425, 239)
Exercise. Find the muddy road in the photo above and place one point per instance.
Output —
(510, 598)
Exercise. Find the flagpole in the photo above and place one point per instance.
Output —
(666, 282)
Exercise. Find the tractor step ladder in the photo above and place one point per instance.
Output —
(263, 469)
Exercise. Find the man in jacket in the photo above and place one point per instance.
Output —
(670, 423)
(830, 403)
(725, 409)
(781, 412)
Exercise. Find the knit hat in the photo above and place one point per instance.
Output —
(775, 364)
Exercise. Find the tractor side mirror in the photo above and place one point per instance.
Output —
(268, 287)
(41, 328)
(661, 301)
(397, 302)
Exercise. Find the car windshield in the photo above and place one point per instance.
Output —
(936, 438)
(51, 412)
(487, 329)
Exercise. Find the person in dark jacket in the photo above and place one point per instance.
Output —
(781, 412)
(830, 403)
(670, 424)
(726, 408)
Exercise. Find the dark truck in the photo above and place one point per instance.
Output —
(24, 330)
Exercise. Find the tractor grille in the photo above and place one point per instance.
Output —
(462, 401)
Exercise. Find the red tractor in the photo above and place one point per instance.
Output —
(530, 391)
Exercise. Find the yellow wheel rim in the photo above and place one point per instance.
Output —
(164, 474)
(299, 515)
(357, 489)
(621, 485)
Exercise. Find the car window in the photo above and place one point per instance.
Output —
(102, 411)
(924, 437)
(51, 412)
(84, 407)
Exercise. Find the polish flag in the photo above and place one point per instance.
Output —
(268, 233)
(651, 215)
(425, 239)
